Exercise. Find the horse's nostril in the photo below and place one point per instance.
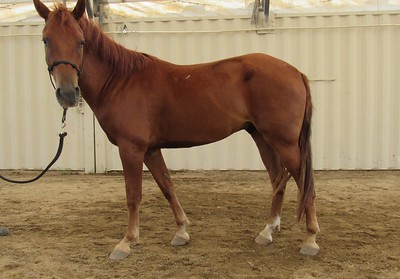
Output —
(58, 92)
(78, 90)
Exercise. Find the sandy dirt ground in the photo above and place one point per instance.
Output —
(65, 225)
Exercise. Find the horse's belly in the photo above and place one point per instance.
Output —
(196, 134)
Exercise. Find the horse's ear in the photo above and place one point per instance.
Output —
(79, 9)
(42, 9)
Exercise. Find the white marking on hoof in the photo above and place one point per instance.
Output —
(265, 236)
(262, 240)
(180, 239)
(309, 249)
(120, 252)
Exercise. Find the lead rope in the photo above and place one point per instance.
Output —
(62, 135)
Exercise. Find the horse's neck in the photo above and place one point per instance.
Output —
(95, 76)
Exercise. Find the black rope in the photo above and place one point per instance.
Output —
(62, 135)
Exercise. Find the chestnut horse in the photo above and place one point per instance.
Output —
(144, 104)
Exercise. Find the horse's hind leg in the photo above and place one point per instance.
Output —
(290, 156)
(278, 177)
(280, 161)
(155, 162)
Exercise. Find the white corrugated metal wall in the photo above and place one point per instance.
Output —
(30, 117)
(351, 59)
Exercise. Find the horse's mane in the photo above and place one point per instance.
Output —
(121, 59)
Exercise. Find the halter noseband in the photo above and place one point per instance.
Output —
(56, 63)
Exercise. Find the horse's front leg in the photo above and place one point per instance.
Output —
(132, 163)
(155, 162)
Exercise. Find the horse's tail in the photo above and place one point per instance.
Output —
(306, 169)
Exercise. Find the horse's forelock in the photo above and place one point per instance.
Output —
(60, 12)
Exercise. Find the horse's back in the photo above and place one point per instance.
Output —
(207, 102)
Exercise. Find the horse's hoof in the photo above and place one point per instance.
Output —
(262, 240)
(309, 249)
(180, 240)
(4, 231)
(119, 254)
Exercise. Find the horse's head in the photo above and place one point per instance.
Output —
(63, 43)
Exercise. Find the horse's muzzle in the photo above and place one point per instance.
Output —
(69, 96)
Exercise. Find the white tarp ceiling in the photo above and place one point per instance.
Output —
(23, 10)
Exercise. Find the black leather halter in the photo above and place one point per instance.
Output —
(56, 63)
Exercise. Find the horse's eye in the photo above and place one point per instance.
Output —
(45, 41)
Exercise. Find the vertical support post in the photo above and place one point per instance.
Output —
(101, 15)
